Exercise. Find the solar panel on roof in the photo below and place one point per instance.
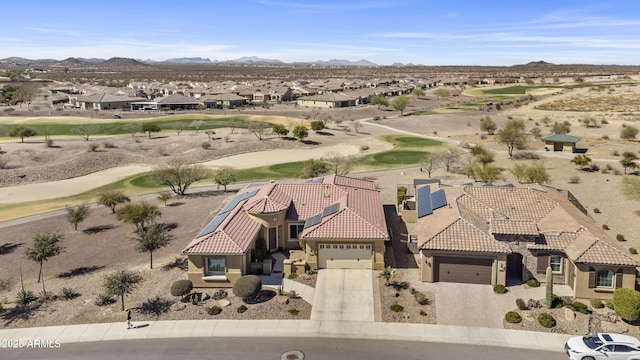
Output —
(256, 184)
(438, 199)
(423, 199)
(237, 199)
(314, 220)
(509, 185)
(468, 184)
(213, 224)
(331, 209)
(318, 180)
(488, 184)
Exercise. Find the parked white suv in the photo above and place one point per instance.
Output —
(603, 346)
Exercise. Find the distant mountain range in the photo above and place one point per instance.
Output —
(254, 60)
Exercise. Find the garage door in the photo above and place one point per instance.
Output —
(464, 270)
(344, 256)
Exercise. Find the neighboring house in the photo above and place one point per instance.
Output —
(508, 235)
(338, 220)
(178, 102)
(219, 101)
(329, 100)
(105, 101)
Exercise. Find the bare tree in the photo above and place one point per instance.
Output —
(431, 162)
(340, 164)
(132, 128)
(86, 130)
(196, 124)
(356, 125)
(450, 156)
(258, 128)
(179, 127)
(178, 174)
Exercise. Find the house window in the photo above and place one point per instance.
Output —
(604, 279)
(295, 230)
(215, 266)
(555, 262)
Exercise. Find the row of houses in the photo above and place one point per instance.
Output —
(469, 234)
(331, 93)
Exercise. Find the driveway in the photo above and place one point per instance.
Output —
(453, 301)
(343, 295)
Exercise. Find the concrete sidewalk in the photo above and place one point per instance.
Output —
(289, 328)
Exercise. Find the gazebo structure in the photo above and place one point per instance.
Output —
(559, 141)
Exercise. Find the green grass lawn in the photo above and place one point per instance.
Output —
(119, 127)
(393, 158)
(410, 141)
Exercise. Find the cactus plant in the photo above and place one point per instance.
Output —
(548, 300)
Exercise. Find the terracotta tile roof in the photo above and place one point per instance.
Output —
(517, 203)
(461, 235)
(535, 210)
(233, 236)
(345, 224)
(602, 253)
(553, 241)
(358, 213)
(514, 227)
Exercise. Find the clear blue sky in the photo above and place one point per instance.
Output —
(442, 32)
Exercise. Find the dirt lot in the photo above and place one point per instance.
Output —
(102, 244)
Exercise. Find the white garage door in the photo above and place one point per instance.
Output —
(344, 256)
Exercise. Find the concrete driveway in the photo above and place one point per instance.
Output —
(477, 305)
(343, 295)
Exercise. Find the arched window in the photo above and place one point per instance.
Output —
(604, 279)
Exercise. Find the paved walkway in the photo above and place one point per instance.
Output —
(343, 295)
(290, 328)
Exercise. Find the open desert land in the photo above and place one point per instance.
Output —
(103, 244)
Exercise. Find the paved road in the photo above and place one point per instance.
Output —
(275, 348)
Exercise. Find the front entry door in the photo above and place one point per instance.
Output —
(273, 239)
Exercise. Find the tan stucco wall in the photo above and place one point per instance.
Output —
(234, 270)
(582, 290)
(316, 103)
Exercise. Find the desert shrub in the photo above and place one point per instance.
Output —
(68, 293)
(633, 250)
(162, 151)
(219, 294)
(533, 282)
(364, 147)
(44, 296)
(423, 313)
(92, 147)
(521, 304)
(546, 320)
(247, 286)
(596, 210)
(596, 303)
(48, 142)
(421, 298)
(626, 303)
(181, 287)
(293, 276)
(594, 167)
(609, 305)
(214, 310)
(526, 155)
(294, 311)
(499, 289)
(575, 179)
(604, 122)
(580, 307)
(25, 296)
(605, 227)
(376, 118)
(104, 300)
(396, 308)
(620, 237)
(483, 136)
(241, 309)
(615, 153)
(206, 145)
(109, 145)
(512, 317)
(605, 137)
(292, 294)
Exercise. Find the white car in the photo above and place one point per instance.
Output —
(603, 346)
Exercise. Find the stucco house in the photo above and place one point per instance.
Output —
(509, 234)
(105, 101)
(329, 100)
(338, 221)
